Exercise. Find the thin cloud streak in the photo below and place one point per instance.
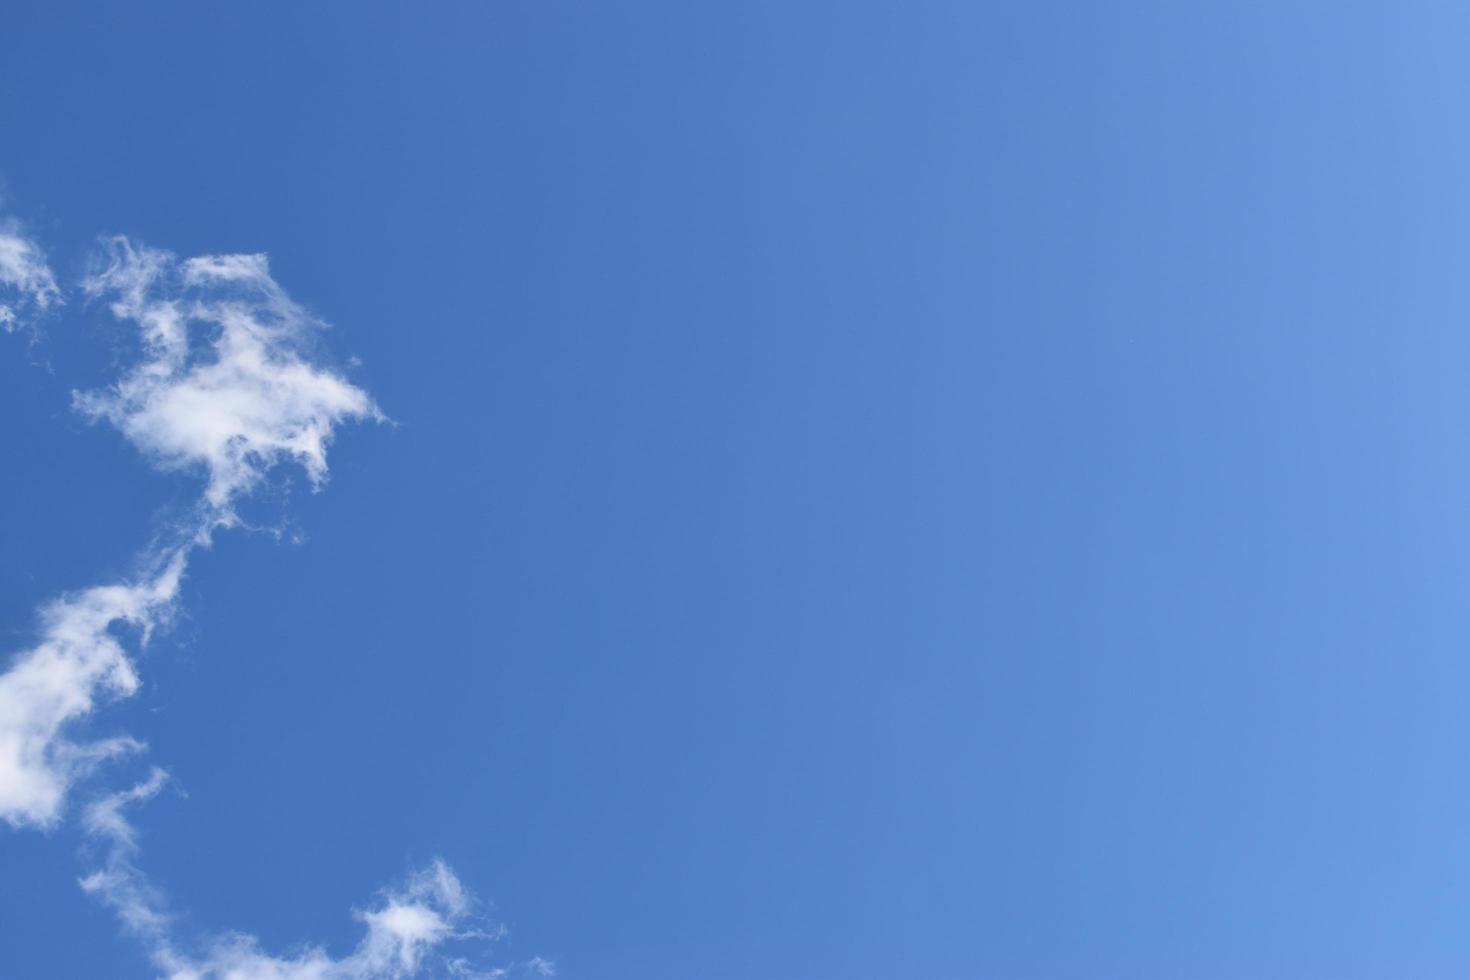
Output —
(401, 934)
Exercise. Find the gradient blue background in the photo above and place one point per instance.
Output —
(881, 491)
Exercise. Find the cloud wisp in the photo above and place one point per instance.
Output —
(78, 663)
(27, 285)
(401, 933)
(225, 387)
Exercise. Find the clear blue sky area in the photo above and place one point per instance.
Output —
(900, 491)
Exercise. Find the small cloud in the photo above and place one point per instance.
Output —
(27, 286)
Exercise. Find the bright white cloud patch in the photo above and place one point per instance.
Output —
(78, 662)
(26, 283)
(224, 385)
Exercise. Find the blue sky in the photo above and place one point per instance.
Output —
(873, 490)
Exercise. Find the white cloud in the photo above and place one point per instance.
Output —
(27, 285)
(119, 883)
(404, 934)
(78, 662)
(223, 386)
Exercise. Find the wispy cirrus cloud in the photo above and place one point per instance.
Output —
(27, 285)
(401, 935)
(78, 663)
(225, 386)
(222, 388)
(235, 405)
